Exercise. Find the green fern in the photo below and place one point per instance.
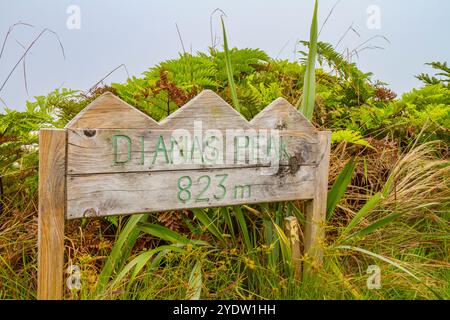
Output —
(349, 136)
(444, 74)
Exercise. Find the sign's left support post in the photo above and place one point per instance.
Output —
(52, 194)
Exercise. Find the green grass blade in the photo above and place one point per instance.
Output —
(376, 225)
(338, 273)
(161, 249)
(201, 215)
(195, 283)
(227, 217)
(309, 85)
(340, 186)
(243, 226)
(269, 240)
(229, 67)
(369, 205)
(285, 246)
(163, 233)
(388, 186)
(391, 262)
(140, 261)
(121, 250)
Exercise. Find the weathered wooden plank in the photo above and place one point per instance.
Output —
(316, 209)
(281, 115)
(112, 162)
(120, 193)
(52, 146)
(109, 111)
(133, 150)
(209, 109)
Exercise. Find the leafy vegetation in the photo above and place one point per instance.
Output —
(309, 84)
(388, 202)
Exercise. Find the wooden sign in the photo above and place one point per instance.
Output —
(112, 159)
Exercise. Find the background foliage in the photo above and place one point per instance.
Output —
(389, 198)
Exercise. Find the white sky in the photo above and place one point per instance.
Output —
(140, 34)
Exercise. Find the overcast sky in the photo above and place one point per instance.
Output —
(140, 34)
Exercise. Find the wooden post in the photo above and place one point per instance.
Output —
(52, 167)
(316, 209)
(292, 228)
(80, 171)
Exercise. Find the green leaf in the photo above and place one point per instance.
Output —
(163, 233)
(391, 262)
(121, 250)
(285, 246)
(309, 85)
(350, 136)
(140, 261)
(369, 205)
(374, 226)
(195, 283)
(270, 241)
(229, 68)
(243, 226)
(340, 186)
(387, 187)
(227, 217)
(201, 215)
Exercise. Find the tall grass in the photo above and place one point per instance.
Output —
(229, 68)
(309, 84)
(247, 255)
(401, 225)
(392, 213)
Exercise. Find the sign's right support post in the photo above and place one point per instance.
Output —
(316, 210)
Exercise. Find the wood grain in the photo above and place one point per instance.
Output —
(82, 173)
(96, 151)
(210, 109)
(52, 152)
(316, 209)
(121, 193)
(281, 115)
(109, 111)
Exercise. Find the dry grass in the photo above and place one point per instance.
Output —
(418, 240)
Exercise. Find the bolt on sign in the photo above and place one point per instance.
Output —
(112, 159)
